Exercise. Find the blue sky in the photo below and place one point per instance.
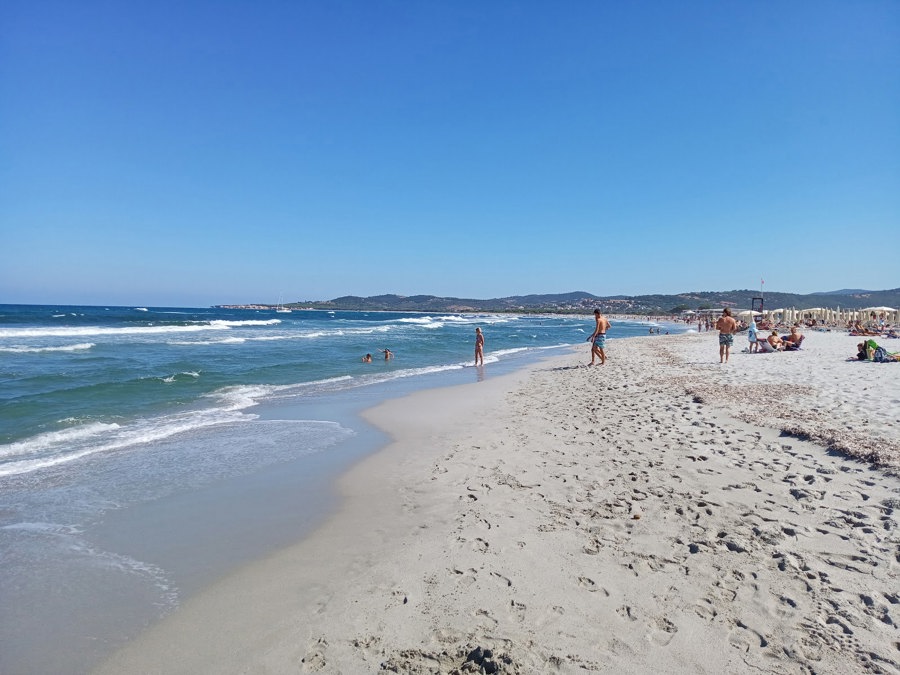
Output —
(195, 153)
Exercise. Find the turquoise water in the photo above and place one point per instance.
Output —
(146, 451)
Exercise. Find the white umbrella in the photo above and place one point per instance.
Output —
(878, 309)
(749, 312)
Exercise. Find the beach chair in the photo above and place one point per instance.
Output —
(794, 346)
(764, 346)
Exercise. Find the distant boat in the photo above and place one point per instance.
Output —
(281, 309)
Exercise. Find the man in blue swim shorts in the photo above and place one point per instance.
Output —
(727, 327)
(598, 338)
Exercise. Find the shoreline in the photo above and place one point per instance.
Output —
(597, 519)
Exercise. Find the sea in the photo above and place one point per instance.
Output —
(146, 452)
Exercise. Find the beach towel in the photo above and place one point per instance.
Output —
(882, 355)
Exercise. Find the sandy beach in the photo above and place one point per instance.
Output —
(661, 513)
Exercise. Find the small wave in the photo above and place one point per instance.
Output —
(81, 346)
(42, 528)
(63, 331)
(198, 343)
(238, 324)
(180, 376)
(68, 445)
(421, 320)
(54, 439)
(140, 309)
(69, 541)
(412, 372)
(244, 396)
(512, 350)
(424, 322)
(75, 420)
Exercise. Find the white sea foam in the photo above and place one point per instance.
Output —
(69, 331)
(61, 447)
(76, 442)
(67, 542)
(21, 349)
(243, 396)
(412, 372)
(217, 341)
(311, 335)
(507, 352)
(238, 324)
(43, 528)
(55, 439)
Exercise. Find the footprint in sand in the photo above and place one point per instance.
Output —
(626, 613)
(744, 638)
(314, 660)
(706, 609)
(487, 615)
(662, 631)
(591, 586)
(480, 545)
(467, 577)
(502, 579)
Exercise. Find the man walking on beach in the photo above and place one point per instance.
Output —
(727, 327)
(598, 338)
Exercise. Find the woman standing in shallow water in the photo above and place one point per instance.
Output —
(479, 347)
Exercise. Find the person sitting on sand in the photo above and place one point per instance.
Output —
(776, 342)
(793, 340)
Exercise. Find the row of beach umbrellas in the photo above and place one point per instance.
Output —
(836, 315)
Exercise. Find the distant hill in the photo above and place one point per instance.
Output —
(583, 302)
(846, 291)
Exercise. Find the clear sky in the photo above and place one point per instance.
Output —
(192, 152)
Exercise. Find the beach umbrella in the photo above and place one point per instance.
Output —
(878, 309)
(749, 312)
(813, 313)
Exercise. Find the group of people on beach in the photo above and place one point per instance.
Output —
(727, 327)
